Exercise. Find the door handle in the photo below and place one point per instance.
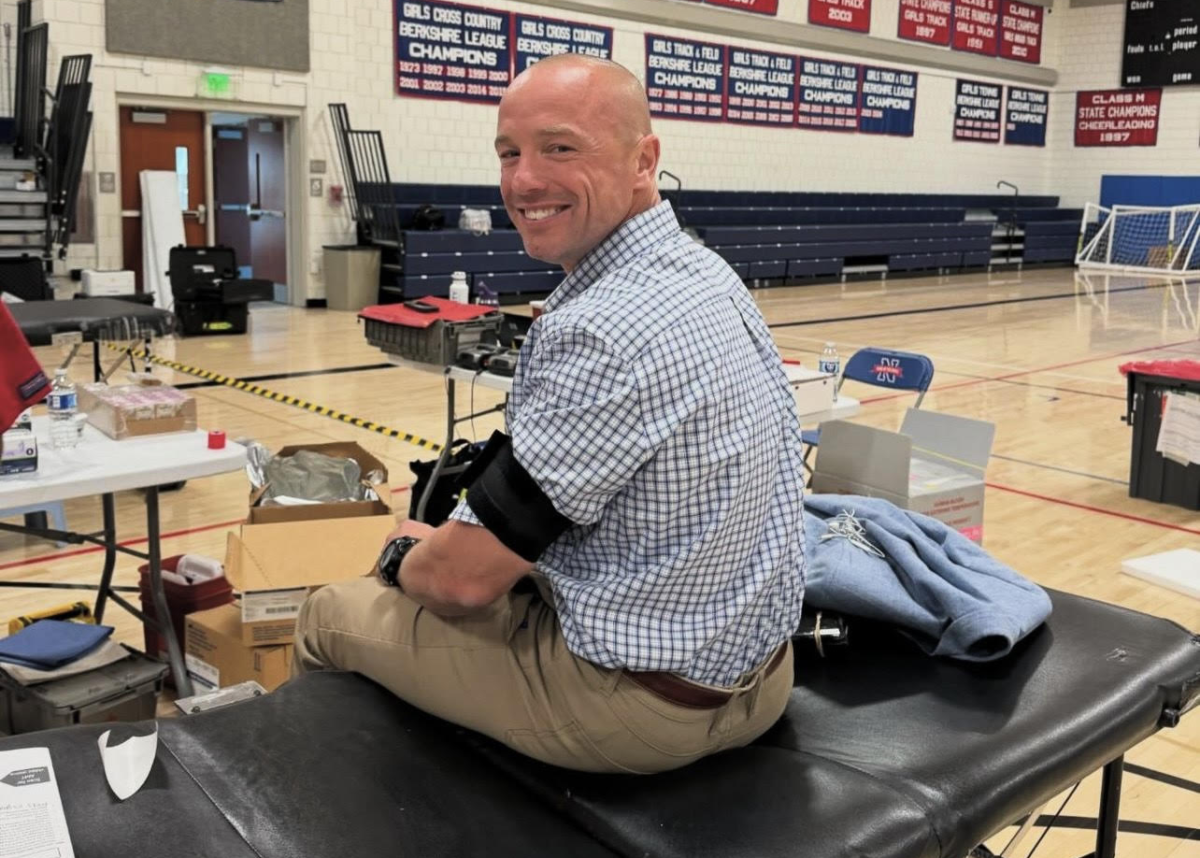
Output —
(200, 214)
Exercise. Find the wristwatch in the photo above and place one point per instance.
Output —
(391, 558)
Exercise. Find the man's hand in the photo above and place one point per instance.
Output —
(408, 527)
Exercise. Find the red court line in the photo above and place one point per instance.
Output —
(138, 540)
(1065, 365)
(1095, 509)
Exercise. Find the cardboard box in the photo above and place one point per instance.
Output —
(309, 512)
(146, 408)
(217, 657)
(812, 390)
(934, 465)
(275, 566)
(282, 553)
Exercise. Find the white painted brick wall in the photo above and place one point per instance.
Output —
(439, 141)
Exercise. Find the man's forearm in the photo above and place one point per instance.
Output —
(454, 572)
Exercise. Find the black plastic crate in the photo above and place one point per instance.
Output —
(124, 691)
(1153, 476)
(439, 344)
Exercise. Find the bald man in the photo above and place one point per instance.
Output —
(649, 482)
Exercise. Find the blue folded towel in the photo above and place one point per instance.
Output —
(49, 644)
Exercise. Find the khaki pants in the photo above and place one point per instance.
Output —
(507, 673)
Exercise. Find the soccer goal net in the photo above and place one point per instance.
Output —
(1154, 240)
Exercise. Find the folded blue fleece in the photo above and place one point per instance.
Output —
(947, 593)
(49, 644)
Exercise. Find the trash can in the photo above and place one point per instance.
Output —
(181, 601)
(351, 276)
(1153, 476)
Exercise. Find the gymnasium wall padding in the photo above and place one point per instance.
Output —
(272, 35)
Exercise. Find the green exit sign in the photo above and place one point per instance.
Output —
(217, 83)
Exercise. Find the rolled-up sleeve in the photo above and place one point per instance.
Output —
(579, 431)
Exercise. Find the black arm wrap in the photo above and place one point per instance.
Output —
(510, 504)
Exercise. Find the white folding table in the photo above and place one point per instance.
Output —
(102, 466)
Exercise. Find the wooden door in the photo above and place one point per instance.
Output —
(156, 139)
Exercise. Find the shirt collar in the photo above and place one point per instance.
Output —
(634, 238)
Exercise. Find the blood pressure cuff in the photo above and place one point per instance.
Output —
(509, 502)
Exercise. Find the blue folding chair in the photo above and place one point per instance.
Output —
(881, 368)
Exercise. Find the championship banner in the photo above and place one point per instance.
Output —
(761, 87)
(844, 14)
(829, 96)
(976, 26)
(685, 79)
(760, 7)
(1117, 117)
(1021, 31)
(888, 104)
(977, 111)
(926, 21)
(444, 50)
(538, 38)
(1025, 116)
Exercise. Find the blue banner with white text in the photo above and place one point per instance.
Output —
(829, 98)
(1025, 116)
(446, 50)
(685, 79)
(888, 101)
(762, 87)
(538, 38)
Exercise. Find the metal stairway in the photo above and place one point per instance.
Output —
(40, 172)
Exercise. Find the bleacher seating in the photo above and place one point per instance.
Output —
(764, 235)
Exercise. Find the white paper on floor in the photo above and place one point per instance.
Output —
(128, 764)
(162, 229)
(1177, 570)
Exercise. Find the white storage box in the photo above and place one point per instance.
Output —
(813, 390)
(100, 284)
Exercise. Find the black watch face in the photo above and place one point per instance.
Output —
(392, 556)
(389, 562)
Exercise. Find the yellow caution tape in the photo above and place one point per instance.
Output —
(275, 396)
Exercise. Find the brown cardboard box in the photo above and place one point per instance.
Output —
(308, 512)
(282, 553)
(274, 566)
(934, 465)
(146, 408)
(217, 657)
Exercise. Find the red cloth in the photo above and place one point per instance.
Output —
(1185, 369)
(447, 311)
(22, 382)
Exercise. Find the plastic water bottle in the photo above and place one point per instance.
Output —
(459, 290)
(485, 297)
(63, 403)
(831, 364)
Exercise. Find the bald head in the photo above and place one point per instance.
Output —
(614, 88)
(577, 155)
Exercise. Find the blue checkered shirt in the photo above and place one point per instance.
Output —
(651, 407)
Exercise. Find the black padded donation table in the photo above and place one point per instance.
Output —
(883, 752)
(95, 319)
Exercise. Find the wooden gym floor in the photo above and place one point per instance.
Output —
(1035, 352)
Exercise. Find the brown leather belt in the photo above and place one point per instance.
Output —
(675, 689)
